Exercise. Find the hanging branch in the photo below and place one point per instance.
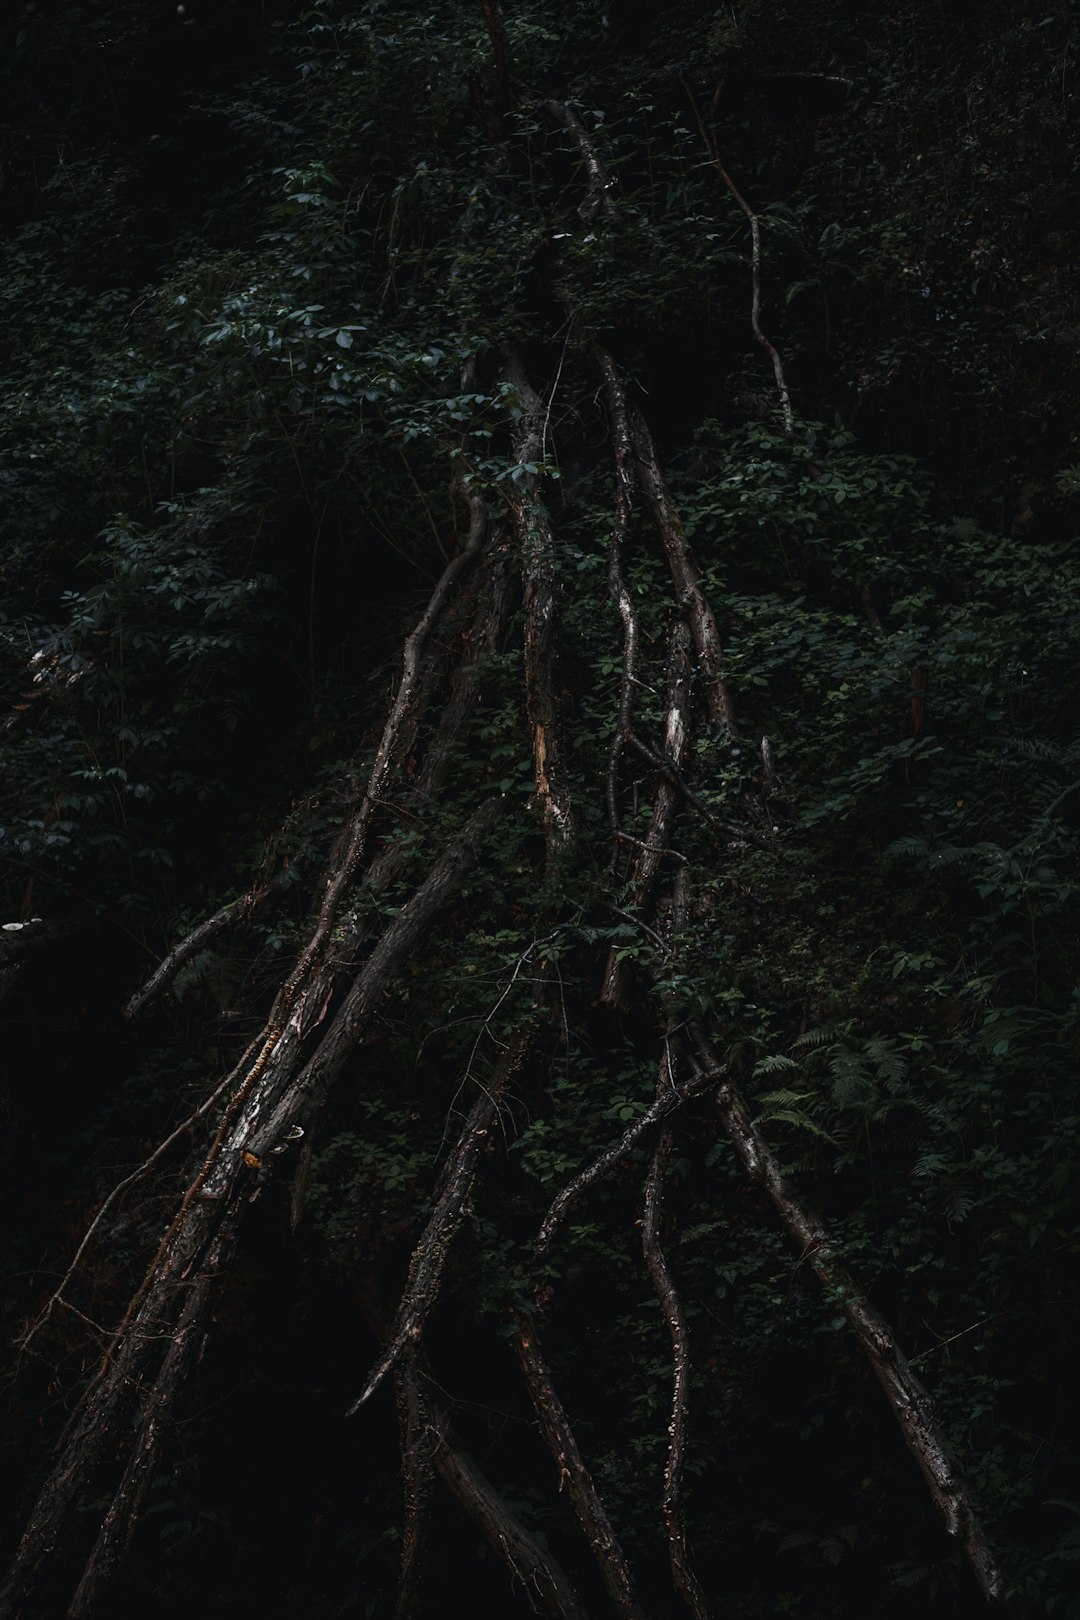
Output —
(908, 1397)
(574, 1475)
(717, 162)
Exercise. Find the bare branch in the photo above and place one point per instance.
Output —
(527, 1559)
(686, 577)
(538, 572)
(574, 1476)
(618, 589)
(432, 1248)
(664, 1104)
(597, 201)
(664, 1283)
(233, 915)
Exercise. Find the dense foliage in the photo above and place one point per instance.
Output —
(293, 299)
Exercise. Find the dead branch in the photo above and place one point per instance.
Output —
(597, 201)
(686, 577)
(537, 544)
(664, 1104)
(299, 1103)
(233, 915)
(481, 639)
(664, 1285)
(527, 1559)
(647, 866)
(418, 1442)
(907, 1396)
(181, 1259)
(686, 1581)
(100, 1421)
(57, 1296)
(429, 1256)
(574, 1476)
(709, 137)
(118, 1526)
(618, 589)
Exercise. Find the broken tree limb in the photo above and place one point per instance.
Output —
(126, 1377)
(301, 1101)
(906, 1394)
